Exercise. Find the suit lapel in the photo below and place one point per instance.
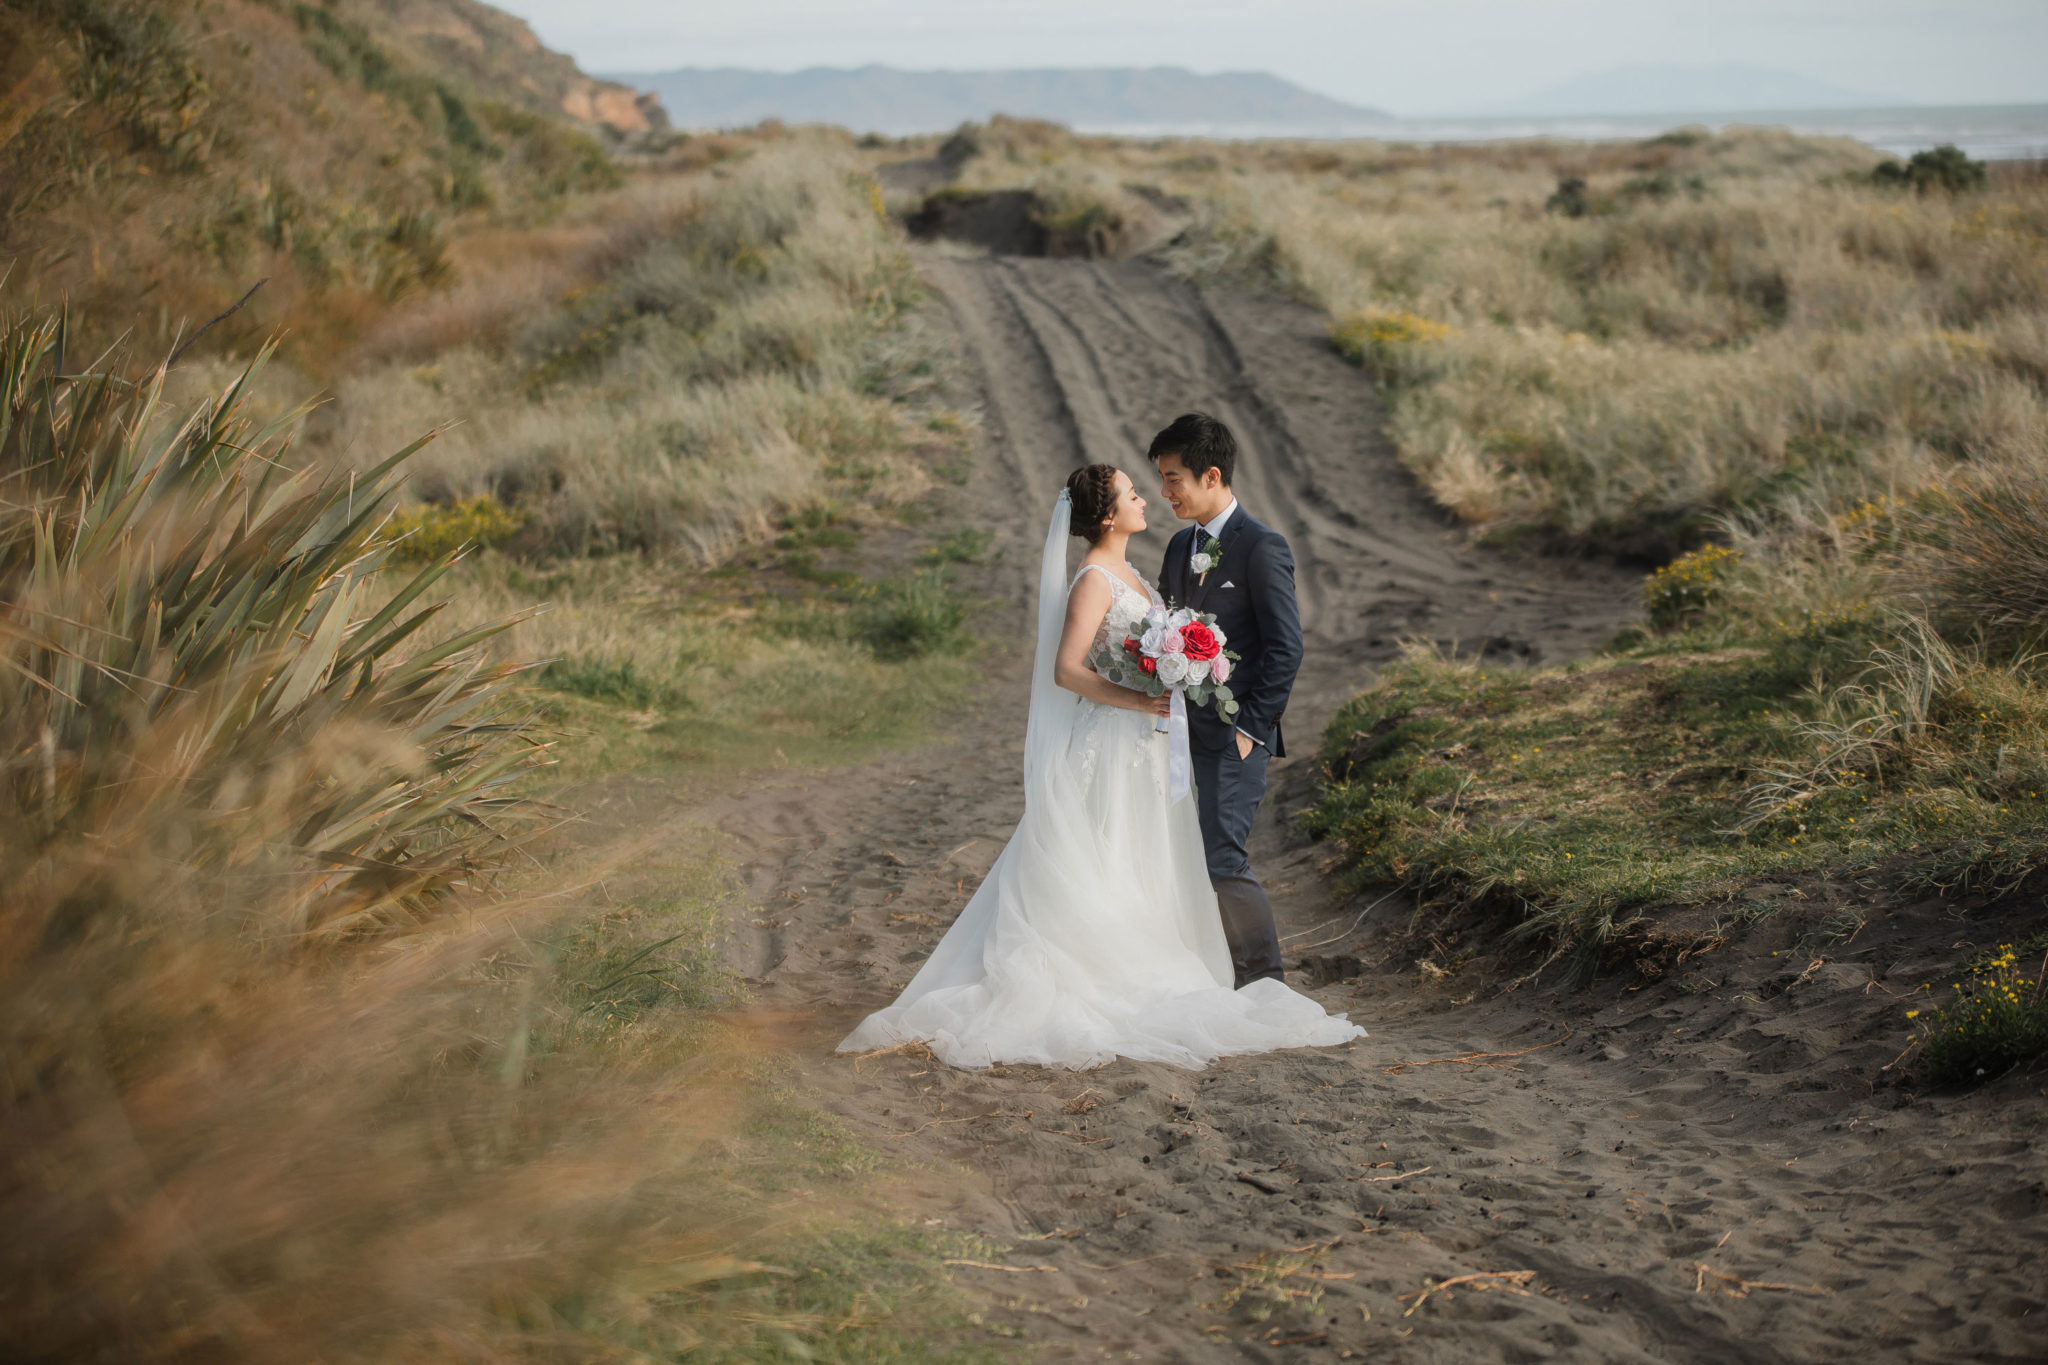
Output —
(1174, 582)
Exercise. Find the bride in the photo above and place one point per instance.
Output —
(1096, 934)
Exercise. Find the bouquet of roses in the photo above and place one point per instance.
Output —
(1178, 650)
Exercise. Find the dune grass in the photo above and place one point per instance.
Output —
(1705, 324)
(691, 422)
(753, 668)
(1827, 697)
(749, 351)
(1582, 804)
(242, 808)
(1716, 322)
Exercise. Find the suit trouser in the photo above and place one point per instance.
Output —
(1227, 792)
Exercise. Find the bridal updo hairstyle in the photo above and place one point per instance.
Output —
(1201, 442)
(1092, 491)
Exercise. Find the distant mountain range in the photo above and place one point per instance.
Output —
(883, 99)
(1692, 89)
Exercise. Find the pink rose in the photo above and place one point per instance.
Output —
(1219, 669)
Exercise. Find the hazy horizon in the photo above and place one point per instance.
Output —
(1413, 58)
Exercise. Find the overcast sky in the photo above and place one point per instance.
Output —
(1408, 56)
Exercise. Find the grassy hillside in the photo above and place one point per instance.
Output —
(158, 159)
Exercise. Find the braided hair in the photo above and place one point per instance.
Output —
(1092, 489)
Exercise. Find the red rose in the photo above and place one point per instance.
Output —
(1130, 645)
(1198, 642)
(1148, 666)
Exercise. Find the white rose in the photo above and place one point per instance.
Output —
(1198, 672)
(1202, 563)
(1180, 618)
(1173, 669)
(1150, 641)
(1156, 616)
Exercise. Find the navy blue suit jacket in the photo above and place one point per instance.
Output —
(1251, 594)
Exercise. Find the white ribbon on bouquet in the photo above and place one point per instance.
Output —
(1180, 766)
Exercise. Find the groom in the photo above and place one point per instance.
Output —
(1242, 572)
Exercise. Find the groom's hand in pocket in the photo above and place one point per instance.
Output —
(1244, 746)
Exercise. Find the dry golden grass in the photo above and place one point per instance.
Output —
(719, 358)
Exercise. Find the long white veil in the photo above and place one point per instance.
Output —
(1050, 725)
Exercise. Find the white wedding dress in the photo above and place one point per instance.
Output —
(1096, 934)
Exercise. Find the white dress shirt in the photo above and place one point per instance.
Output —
(1210, 528)
(1205, 530)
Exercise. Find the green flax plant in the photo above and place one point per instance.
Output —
(196, 640)
(241, 790)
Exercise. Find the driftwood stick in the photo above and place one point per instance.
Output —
(1388, 1179)
(1474, 1058)
(1735, 1287)
(1510, 1281)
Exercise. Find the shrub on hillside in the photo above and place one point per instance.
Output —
(1947, 168)
(1570, 198)
(434, 531)
(1995, 1020)
(1396, 346)
(1687, 585)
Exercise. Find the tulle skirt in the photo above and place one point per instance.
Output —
(1096, 934)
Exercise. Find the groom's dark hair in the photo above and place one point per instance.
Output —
(1201, 442)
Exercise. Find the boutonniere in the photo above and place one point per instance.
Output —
(1210, 550)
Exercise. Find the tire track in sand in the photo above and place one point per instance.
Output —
(1146, 1195)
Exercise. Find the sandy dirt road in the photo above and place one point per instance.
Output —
(1704, 1175)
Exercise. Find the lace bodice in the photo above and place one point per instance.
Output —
(1126, 606)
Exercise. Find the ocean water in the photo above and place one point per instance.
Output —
(1989, 132)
